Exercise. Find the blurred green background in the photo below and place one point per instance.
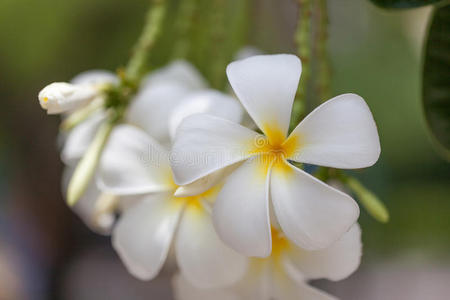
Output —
(47, 253)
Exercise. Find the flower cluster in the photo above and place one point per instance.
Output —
(183, 169)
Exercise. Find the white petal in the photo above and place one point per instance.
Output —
(152, 108)
(203, 184)
(80, 137)
(290, 290)
(241, 211)
(205, 144)
(206, 101)
(312, 214)
(266, 86)
(133, 163)
(266, 280)
(202, 257)
(144, 233)
(184, 290)
(178, 72)
(95, 78)
(340, 133)
(335, 262)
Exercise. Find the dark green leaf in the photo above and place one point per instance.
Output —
(403, 3)
(436, 79)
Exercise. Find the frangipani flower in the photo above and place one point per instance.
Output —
(341, 133)
(284, 274)
(59, 97)
(135, 165)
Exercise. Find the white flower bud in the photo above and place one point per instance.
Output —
(60, 97)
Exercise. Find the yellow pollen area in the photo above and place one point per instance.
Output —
(279, 243)
(194, 202)
(45, 99)
(274, 148)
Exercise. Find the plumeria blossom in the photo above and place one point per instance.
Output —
(166, 97)
(59, 97)
(135, 165)
(340, 133)
(285, 273)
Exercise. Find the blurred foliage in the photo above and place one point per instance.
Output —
(436, 79)
(403, 3)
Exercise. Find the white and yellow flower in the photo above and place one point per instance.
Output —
(135, 165)
(341, 133)
(284, 274)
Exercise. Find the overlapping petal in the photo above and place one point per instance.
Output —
(95, 78)
(266, 86)
(144, 233)
(202, 257)
(178, 72)
(241, 211)
(311, 214)
(133, 163)
(152, 107)
(340, 133)
(335, 262)
(80, 137)
(206, 101)
(205, 144)
(185, 290)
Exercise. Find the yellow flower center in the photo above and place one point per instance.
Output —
(274, 148)
(195, 202)
(279, 243)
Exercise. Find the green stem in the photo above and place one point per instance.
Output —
(183, 26)
(152, 28)
(368, 200)
(303, 41)
(322, 82)
(85, 170)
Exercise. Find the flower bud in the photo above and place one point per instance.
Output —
(60, 97)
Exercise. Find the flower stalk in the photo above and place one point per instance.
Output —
(322, 83)
(152, 29)
(87, 166)
(369, 200)
(303, 40)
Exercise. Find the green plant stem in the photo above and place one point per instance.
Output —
(152, 28)
(303, 41)
(368, 200)
(85, 170)
(322, 82)
(183, 26)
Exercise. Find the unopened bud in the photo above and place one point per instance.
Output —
(60, 97)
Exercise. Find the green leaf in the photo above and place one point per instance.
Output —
(436, 79)
(403, 3)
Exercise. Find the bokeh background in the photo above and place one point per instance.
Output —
(46, 252)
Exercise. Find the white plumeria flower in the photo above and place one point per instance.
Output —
(284, 275)
(167, 96)
(341, 133)
(60, 97)
(133, 164)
